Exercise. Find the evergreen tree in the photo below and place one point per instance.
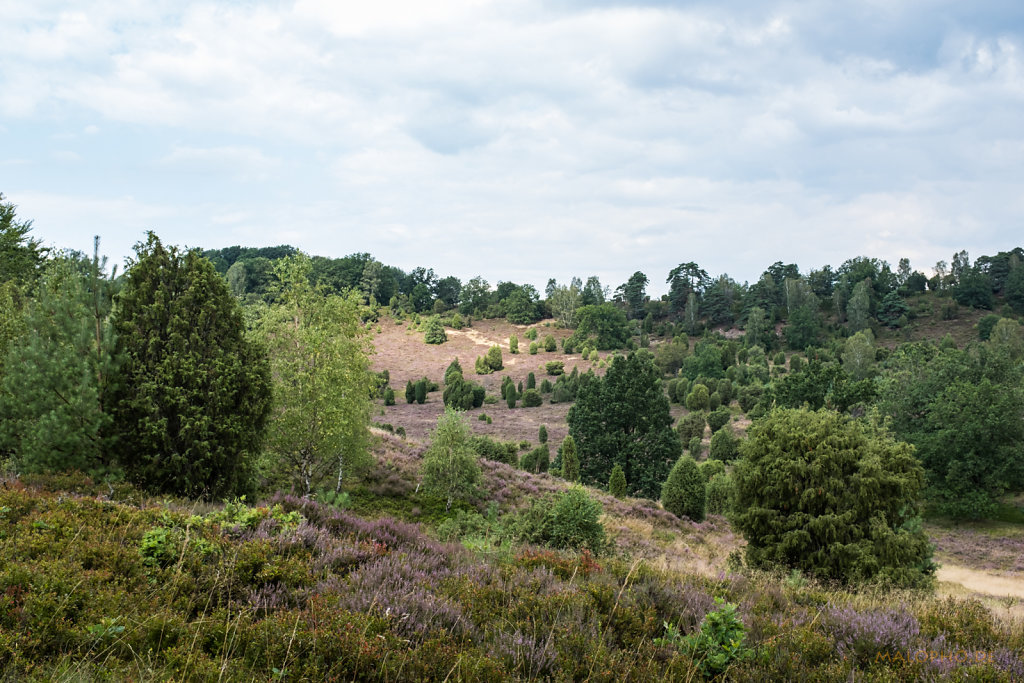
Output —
(684, 492)
(434, 332)
(570, 461)
(617, 482)
(513, 344)
(194, 394)
(821, 493)
(319, 360)
(410, 392)
(54, 397)
(420, 389)
(724, 445)
(542, 434)
(531, 381)
(450, 468)
(623, 419)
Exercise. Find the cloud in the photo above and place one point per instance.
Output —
(530, 139)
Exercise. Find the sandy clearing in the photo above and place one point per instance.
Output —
(982, 582)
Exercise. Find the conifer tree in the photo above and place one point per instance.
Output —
(410, 392)
(54, 398)
(542, 434)
(570, 461)
(194, 393)
(684, 492)
(617, 482)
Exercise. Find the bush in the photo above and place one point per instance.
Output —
(531, 334)
(421, 391)
(542, 434)
(725, 391)
(780, 358)
(537, 460)
(594, 356)
(748, 397)
(389, 397)
(617, 482)
(985, 326)
(554, 367)
(410, 392)
(698, 398)
(683, 493)
(719, 494)
(493, 358)
(513, 344)
(570, 460)
(824, 494)
(696, 447)
(545, 386)
(561, 393)
(795, 363)
(720, 641)
(724, 445)
(718, 418)
(714, 401)
(533, 348)
(710, 468)
(550, 345)
(691, 425)
(510, 396)
(434, 332)
(570, 520)
(532, 399)
(481, 367)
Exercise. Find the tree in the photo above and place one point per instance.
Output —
(570, 461)
(513, 344)
(804, 328)
(684, 492)
(617, 482)
(21, 256)
(605, 324)
(623, 419)
(319, 361)
(450, 468)
(542, 434)
(633, 292)
(859, 355)
(684, 280)
(410, 392)
(565, 301)
(756, 327)
(723, 445)
(859, 309)
(194, 393)
(1014, 291)
(420, 391)
(832, 497)
(54, 397)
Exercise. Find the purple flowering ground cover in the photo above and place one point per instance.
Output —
(291, 589)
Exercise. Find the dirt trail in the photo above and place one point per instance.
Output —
(982, 582)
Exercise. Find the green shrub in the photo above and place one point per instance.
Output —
(569, 520)
(513, 344)
(533, 348)
(554, 367)
(718, 418)
(545, 386)
(493, 358)
(531, 334)
(748, 397)
(542, 434)
(434, 332)
(780, 358)
(691, 425)
(711, 467)
(410, 392)
(594, 356)
(570, 460)
(720, 641)
(536, 460)
(532, 399)
(725, 391)
(531, 381)
(421, 391)
(550, 345)
(714, 401)
(796, 363)
(696, 447)
(683, 493)
(719, 494)
(389, 397)
(698, 398)
(724, 446)
(617, 482)
(510, 396)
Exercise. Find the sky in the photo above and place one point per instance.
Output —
(521, 139)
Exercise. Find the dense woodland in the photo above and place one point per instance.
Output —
(205, 436)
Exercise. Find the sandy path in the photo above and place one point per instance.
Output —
(982, 582)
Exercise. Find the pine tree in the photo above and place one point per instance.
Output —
(684, 492)
(194, 393)
(54, 397)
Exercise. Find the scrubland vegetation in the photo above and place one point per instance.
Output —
(207, 474)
